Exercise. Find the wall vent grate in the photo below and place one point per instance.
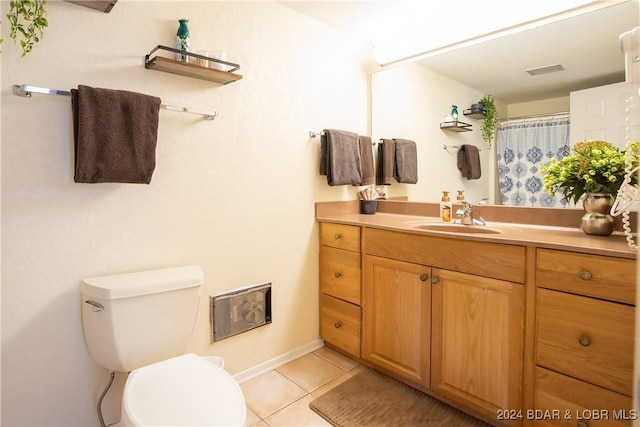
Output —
(240, 310)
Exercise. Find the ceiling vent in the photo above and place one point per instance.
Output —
(545, 70)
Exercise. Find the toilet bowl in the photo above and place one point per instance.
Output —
(187, 390)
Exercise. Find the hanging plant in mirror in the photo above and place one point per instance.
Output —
(27, 19)
(488, 128)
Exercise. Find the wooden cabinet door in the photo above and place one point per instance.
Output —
(477, 341)
(397, 317)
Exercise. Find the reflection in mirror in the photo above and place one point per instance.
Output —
(410, 101)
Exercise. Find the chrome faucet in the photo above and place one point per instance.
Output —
(465, 215)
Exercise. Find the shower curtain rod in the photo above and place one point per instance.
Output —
(26, 91)
(534, 116)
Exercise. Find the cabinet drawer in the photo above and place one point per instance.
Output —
(586, 338)
(340, 236)
(592, 275)
(499, 261)
(340, 273)
(340, 324)
(568, 401)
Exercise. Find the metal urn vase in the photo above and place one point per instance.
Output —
(597, 221)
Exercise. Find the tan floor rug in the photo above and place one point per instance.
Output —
(373, 399)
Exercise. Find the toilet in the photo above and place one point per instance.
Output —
(142, 323)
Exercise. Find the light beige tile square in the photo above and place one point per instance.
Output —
(297, 414)
(270, 392)
(310, 371)
(331, 384)
(336, 358)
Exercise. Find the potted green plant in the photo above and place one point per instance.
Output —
(596, 170)
(27, 21)
(488, 128)
(594, 167)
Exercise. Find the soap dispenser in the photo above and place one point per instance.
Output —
(460, 195)
(445, 207)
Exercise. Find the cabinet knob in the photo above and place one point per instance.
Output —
(337, 325)
(584, 341)
(337, 274)
(424, 277)
(434, 280)
(337, 236)
(585, 275)
(582, 424)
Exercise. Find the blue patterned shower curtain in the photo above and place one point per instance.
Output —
(521, 146)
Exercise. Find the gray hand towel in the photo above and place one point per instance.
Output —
(366, 158)
(469, 161)
(386, 162)
(340, 157)
(115, 135)
(406, 170)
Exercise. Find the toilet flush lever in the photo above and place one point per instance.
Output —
(95, 306)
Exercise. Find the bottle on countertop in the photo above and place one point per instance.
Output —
(445, 207)
(460, 195)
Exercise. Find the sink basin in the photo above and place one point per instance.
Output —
(457, 228)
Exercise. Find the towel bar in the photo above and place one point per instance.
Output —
(455, 146)
(313, 134)
(26, 91)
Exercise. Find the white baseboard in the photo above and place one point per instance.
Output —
(271, 364)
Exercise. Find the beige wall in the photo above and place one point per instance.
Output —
(409, 102)
(235, 195)
(533, 108)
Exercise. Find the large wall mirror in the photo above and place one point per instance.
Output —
(411, 100)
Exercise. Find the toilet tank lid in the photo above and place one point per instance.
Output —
(115, 286)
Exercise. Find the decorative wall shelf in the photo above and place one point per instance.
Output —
(456, 126)
(101, 5)
(475, 114)
(189, 69)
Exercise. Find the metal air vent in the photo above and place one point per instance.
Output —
(240, 310)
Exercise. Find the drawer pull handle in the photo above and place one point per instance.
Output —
(337, 236)
(585, 275)
(423, 277)
(337, 325)
(434, 280)
(337, 274)
(582, 424)
(584, 341)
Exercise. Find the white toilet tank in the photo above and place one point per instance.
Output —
(135, 319)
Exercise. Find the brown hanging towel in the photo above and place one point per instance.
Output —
(469, 161)
(340, 157)
(115, 135)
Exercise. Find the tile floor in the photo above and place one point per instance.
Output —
(281, 397)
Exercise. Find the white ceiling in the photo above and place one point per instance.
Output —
(587, 46)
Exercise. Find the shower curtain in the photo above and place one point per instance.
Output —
(521, 146)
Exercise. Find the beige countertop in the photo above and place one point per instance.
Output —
(523, 234)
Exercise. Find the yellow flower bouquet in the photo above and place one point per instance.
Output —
(593, 167)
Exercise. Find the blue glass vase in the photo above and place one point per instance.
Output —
(183, 40)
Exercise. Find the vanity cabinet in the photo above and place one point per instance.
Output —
(397, 317)
(477, 341)
(446, 314)
(584, 337)
(340, 281)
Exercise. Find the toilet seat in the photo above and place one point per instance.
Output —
(186, 391)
